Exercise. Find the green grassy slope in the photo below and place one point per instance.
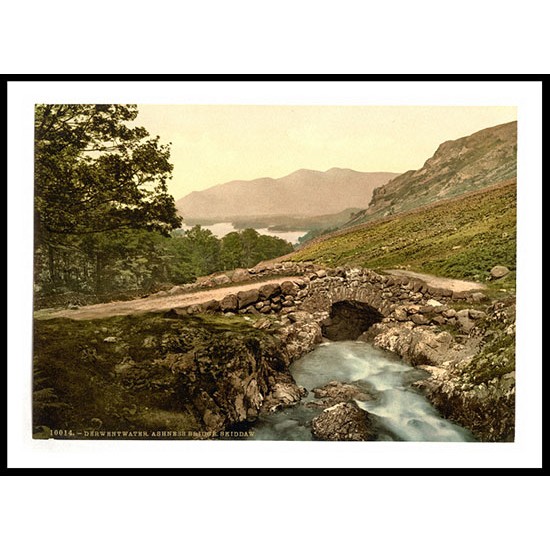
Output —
(460, 238)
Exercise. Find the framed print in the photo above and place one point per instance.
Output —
(281, 271)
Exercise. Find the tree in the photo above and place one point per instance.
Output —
(95, 174)
(250, 254)
(231, 251)
(204, 250)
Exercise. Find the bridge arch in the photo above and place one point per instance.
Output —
(350, 306)
(348, 319)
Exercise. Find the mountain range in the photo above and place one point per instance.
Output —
(302, 194)
(314, 200)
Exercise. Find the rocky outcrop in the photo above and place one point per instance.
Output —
(339, 392)
(418, 345)
(479, 392)
(471, 381)
(246, 377)
(342, 422)
(283, 392)
(499, 271)
(171, 372)
(300, 333)
(240, 275)
(457, 167)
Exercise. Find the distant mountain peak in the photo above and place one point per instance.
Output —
(303, 193)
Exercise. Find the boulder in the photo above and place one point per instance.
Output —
(499, 271)
(419, 319)
(240, 275)
(339, 392)
(289, 288)
(477, 297)
(400, 314)
(222, 279)
(464, 320)
(418, 345)
(211, 305)
(429, 348)
(269, 290)
(283, 392)
(342, 422)
(448, 313)
(248, 297)
(229, 303)
(461, 295)
(476, 314)
(175, 290)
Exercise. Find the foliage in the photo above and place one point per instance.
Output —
(115, 264)
(246, 248)
(95, 173)
(100, 186)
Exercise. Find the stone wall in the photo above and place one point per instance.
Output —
(397, 298)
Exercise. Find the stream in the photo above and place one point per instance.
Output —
(398, 411)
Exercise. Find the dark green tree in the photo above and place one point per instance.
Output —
(204, 250)
(95, 173)
(231, 251)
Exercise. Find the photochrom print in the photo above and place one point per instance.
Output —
(257, 272)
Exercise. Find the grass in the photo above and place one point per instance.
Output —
(459, 238)
(78, 376)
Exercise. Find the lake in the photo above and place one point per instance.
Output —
(223, 228)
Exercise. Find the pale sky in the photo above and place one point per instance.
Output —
(213, 144)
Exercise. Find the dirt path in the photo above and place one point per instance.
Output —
(153, 303)
(165, 303)
(440, 282)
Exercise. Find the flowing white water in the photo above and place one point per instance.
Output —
(399, 412)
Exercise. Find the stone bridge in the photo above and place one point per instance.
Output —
(345, 301)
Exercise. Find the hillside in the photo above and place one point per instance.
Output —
(304, 193)
(457, 167)
(462, 237)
